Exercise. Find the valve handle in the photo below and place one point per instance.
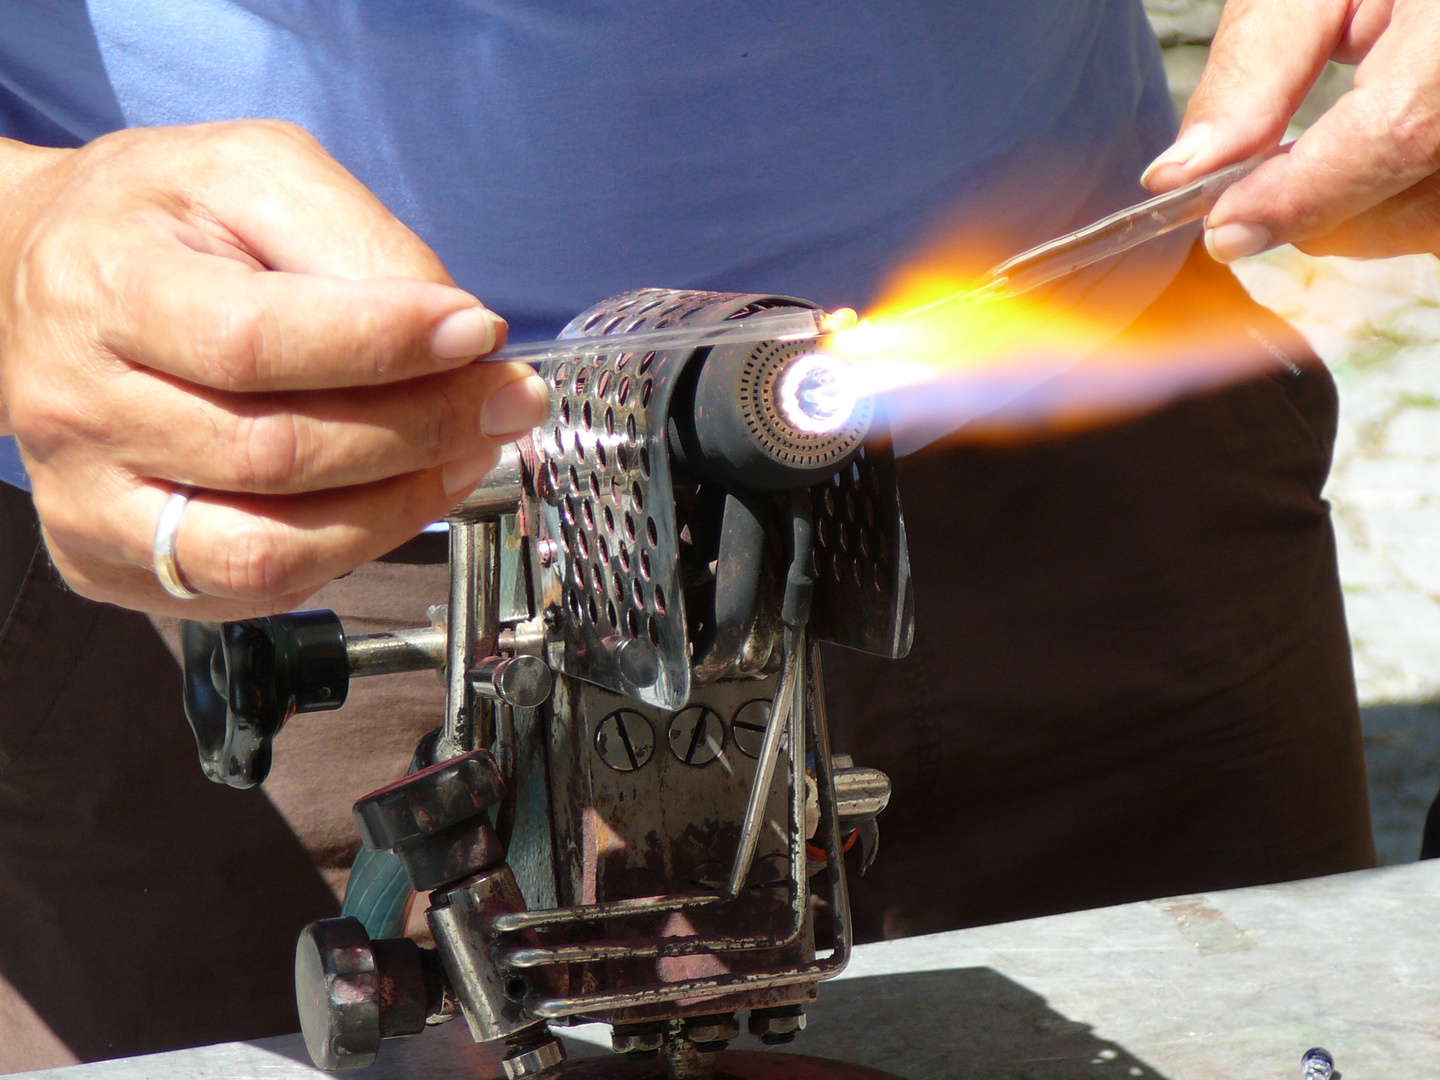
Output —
(244, 680)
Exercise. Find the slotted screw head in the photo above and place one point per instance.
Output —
(697, 735)
(748, 726)
(624, 740)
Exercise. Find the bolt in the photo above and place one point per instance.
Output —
(637, 1040)
(546, 549)
(749, 726)
(710, 1032)
(624, 740)
(777, 1025)
(697, 735)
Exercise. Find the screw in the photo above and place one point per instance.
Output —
(697, 735)
(1317, 1064)
(546, 549)
(749, 726)
(624, 740)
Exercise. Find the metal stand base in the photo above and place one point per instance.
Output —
(729, 1065)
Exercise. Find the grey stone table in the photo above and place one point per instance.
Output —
(1226, 986)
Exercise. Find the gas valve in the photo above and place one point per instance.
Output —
(244, 680)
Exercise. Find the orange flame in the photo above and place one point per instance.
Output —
(983, 364)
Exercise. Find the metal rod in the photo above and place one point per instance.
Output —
(780, 709)
(458, 734)
(546, 918)
(403, 650)
(781, 326)
(825, 788)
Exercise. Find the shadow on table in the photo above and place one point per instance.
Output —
(966, 1024)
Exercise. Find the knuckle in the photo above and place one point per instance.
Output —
(264, 137)
(267, 453)
(446, 424)
(254, 563)
(1408, 129)
(47, 419)
(232, 341)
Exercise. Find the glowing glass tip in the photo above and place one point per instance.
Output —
(816, 394)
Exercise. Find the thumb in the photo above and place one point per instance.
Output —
(1266, 56)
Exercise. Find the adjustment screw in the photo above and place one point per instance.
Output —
(624, 740)
(748, 727)
(697, 735)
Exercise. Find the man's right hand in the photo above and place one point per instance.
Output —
(224, 306)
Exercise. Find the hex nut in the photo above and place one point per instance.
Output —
(548, 1055)
(705, 1031)
(775, 1026)
(637, 1040)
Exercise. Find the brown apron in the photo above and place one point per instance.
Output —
(1130, 678)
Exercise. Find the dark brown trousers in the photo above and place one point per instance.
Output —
(1130, 678)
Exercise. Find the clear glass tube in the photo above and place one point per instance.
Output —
(781, 326)
(1117, 233)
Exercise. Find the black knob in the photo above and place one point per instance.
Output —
(429, 819)
(352, 992)
(243, 680)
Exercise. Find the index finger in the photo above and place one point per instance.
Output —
(221, 323)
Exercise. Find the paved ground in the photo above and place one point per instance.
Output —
(1377, 325)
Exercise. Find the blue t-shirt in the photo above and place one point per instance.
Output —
(555, 153)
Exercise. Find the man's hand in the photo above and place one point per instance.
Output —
(224, 306)
(1363, 179)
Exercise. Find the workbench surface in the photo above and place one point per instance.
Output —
(1225, 986)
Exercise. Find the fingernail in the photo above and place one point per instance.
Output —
(516, 407)
(462, 475)
(1226, 243)
(471, 331)
(1190, 143)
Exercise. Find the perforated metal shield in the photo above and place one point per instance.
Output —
(607, 504)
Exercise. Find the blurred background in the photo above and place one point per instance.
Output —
(1377, 325)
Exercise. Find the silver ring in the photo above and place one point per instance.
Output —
(163, 550)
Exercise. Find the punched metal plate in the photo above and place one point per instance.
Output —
(864, 597)
(607, 499)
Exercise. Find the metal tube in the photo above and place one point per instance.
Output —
(458, 734)
(825, 789)
(546, 918)
(780, 710)
(499, 493)
(403, 650)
